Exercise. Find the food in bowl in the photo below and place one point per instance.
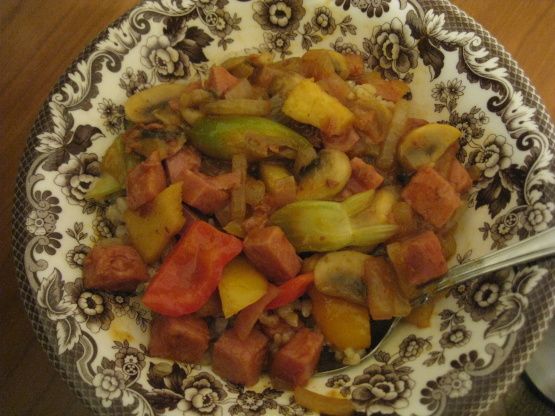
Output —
(274, 210)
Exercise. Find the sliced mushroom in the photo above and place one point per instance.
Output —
(327, 177)
(138, 107)
(340, 274)
(425, 145)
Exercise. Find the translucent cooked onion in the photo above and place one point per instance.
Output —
(396, 129)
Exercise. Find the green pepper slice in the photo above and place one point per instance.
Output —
(256, 137)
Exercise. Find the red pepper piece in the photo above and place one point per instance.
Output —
(291, 290)
(192, 271)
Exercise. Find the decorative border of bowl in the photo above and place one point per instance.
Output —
(418, 371)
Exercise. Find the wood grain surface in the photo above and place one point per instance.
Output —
(38, 40)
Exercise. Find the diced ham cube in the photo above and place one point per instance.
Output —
(430, 195)
(296, 361)
(200, 193)
(220, 80)
(206, 193)
(115, 268)
(185, 338)
(271, 252)
(145, 182)
(459, 177)
(363, 176)
(418, 259)
(240, 361)
(185, 159)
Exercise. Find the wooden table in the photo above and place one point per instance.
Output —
(39, 39)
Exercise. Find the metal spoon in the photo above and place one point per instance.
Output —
(533, 248)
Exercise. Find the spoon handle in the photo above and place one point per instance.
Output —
(532, 248)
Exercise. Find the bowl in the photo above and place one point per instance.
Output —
(482, 332)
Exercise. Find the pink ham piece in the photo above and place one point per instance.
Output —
(201, 194)
(145, 182)
(271, 252)
(205, 193)
(240, 360)
(418, 259)
(220, 81)
(186, 159)
(296, 361)
(363, 177)
(183, 339)
(432, 196)
(114, 267)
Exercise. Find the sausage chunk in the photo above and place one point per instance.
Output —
(240, 361)
(432, 196)
(296, 361)
(418, 259)
(271, 252)
(185, 338)
(116, 267)
(145, 182)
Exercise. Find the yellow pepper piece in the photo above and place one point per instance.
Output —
(241, 285)
(310, 104)
(344, 324)
(151, 230)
